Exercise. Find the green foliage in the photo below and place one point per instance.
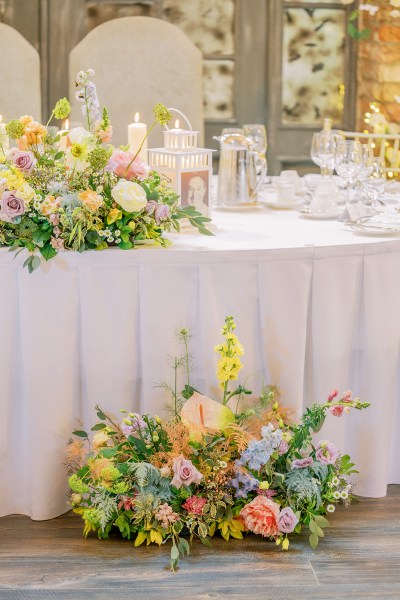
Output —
(304, 487)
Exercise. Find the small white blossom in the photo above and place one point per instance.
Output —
(370, 8)
(344, 495)
(330, 508)
(110, 239)
(336, 495)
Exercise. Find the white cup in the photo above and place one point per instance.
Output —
(285, 191)
(323, 203)
(289, 176)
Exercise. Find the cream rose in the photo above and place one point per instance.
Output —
(129, 195)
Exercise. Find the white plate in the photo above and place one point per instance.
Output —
(320, 216)
(382, 225)
(238, 207)
(281, 205)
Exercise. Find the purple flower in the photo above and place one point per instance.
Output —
(161, 213)
(136, 424)
(24, 160)
(326, 453)
(151, 206)
(11, 207)
(283, 447)
(287, 520)
(301, 463)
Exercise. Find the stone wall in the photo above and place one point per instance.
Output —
(379, 62)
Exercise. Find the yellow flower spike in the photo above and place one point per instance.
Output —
(127, 421)
(264, 485)
(281, 423)
(158, 420)
(285, 544)
(275, 406)
(278, 541)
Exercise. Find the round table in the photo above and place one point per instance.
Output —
(316, 307)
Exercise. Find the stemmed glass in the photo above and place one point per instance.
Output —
(258, 134)
(374, 183)
(323, 149)
(348, 162)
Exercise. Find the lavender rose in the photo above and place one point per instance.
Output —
(11, 207)
(151, 206)
(287, 520)
(24, 160)
(161, 213)
(283, 447)
(300, 463)
(185, 472)
(326, 453)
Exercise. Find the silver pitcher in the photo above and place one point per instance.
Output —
(242, 170)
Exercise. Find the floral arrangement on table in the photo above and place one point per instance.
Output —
(210, 469)
(74, 190)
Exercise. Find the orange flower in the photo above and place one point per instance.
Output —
(91, 199)
(34, 133)
(261, 516)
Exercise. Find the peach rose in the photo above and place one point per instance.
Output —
(91, 199)
(261, 516)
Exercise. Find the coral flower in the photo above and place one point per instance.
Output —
(261, 516)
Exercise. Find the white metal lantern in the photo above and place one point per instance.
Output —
(188, 167)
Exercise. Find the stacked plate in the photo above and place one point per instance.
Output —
(381, 224)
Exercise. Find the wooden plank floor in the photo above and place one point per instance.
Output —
(358, 560)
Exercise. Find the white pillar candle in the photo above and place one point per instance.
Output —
(63, 133)
(4, 142)
(136, 134)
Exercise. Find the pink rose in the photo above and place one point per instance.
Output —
(287, 520)
(11, 207)
(301, 463)
(118, 164)
(336, 411)
(185, 472)
(24, 160)
(326, 453)
(261, 516)
(333, 395)
(194, 505)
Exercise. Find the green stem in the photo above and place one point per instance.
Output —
(51, 116)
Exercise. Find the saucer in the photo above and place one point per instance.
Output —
(305, 212)
(282, 205)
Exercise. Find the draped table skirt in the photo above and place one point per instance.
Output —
(316, 307)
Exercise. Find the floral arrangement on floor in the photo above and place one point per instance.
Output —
(211, 468)
(74, 190)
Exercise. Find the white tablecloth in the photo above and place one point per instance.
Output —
(316, 307)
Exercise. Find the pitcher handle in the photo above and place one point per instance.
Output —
(260, 158)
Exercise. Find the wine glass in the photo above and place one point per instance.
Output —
(348, 162)
(258, 134)
(323, 149)
(374, 183)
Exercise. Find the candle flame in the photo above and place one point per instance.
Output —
(66, 124)
(137, 117)
(177, 124)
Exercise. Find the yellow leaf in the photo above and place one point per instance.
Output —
(141, 537)
(225, 535)
(211, 530)
(156, 537)
(113, 215)
(224, 528)
(236, 524)
(236, 534)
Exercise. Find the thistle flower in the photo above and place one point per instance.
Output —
(162, 114)
(15, 129)
(62, 109)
